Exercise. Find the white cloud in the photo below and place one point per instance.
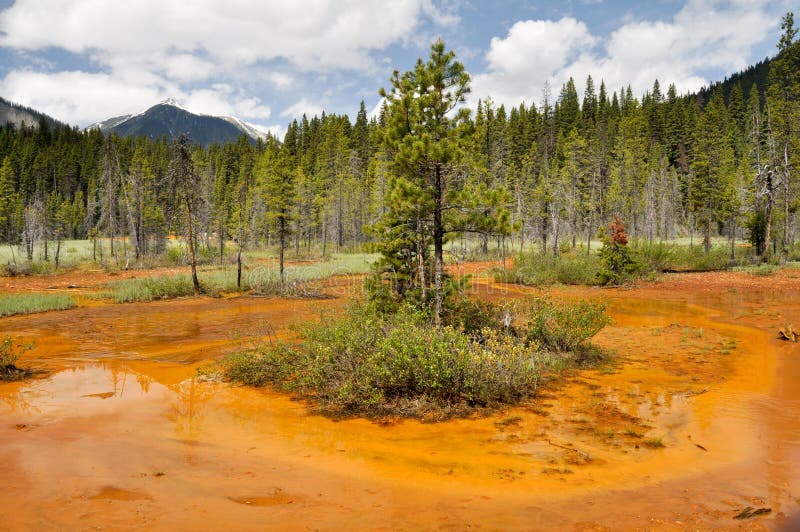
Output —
(302, 107)
(281, 80)
(146, 50)
(277, 130)
(78, 97)
(85, 98)
(704, 34)
(318, 35)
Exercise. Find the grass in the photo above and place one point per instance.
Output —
(29, 303)
(629, 431)
(760, 270)
(575, 267)
(151, 288)
(261, 280)
(397, 364)
(537, 269)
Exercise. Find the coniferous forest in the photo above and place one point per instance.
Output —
(720, 163)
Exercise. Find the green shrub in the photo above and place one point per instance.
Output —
(536, 269)
(619, 265)
(376, 363)
(717, 259)
(29, 303)
(28, 268)
(655, 257)
(560, 324)
(10, 351)
(176, 254)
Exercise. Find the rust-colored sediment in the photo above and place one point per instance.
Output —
(121, 434)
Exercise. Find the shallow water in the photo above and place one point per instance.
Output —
(121, 433)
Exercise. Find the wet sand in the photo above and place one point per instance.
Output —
(694, 421)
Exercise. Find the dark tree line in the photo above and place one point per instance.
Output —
(718, 163)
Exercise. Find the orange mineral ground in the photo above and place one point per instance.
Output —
(695, 420)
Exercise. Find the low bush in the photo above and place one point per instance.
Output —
(618, 263)
(15, 269)
(560, 324)
(656, 257)
(396, 364)
(10, 351)
(661, 257)
(29, 303)
(574, 268)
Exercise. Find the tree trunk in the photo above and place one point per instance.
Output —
(239, 266)
(339, 221)
(58, 249)
(438, 252)
(556, 224)
(192, 256)
(732, 232)
(768, 225)
(221, 232)
(786, 176)
(324, 235)
(589, 241)
(421, 261)
(544, 230)
(282, 238)
(297, 239)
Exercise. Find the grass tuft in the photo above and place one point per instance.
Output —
(654, 443)
(259, 281)
(29, 303)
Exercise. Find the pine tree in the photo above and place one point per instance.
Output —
(427, 145)
(185, 180)
(279, 186)
(713, 167)
(783, 97)
(8, 201)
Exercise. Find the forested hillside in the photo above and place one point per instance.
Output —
(668, 165)
(19, 115)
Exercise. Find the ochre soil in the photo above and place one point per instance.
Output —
(693, 421)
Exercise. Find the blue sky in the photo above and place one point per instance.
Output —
(267, 61)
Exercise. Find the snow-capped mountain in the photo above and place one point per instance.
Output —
(168, 118)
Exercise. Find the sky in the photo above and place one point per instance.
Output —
(269, 61)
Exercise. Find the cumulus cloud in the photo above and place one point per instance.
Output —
(532, 52)
(78, 97)
(316, 35)
(86, 98)
(165, 48)
(281, 80)
(302, 107)
(703, 34)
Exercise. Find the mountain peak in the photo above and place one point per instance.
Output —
(168, 118)
(170, 101)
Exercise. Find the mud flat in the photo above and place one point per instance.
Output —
(695, 421)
